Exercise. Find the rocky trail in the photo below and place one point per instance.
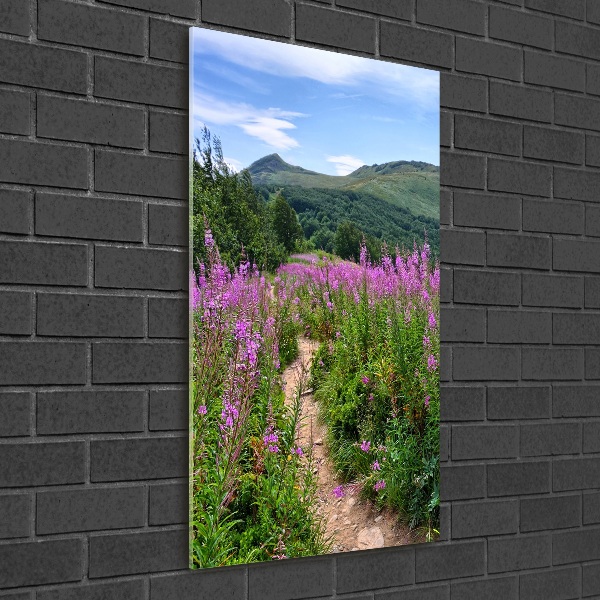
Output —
(352, 524)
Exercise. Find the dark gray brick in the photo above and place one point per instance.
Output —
(592, 220)
(140, 268)
(169, 41)
(123, 362)
(95, 122)
(378, 569)
(575, 546)
(574, 9)
(484, 518)
(462, 247)
(592, 363)
(466, 93)
(430, 592)
(33, 163)
(462, 403)
(591, 437)
(486, 363)
(462, 324)
(462, 170)
(557, 512)
(168, 132)
(272, 17)
(550, 439)
(288, 580)
(575, 255)
(43, 67)
(399, 9)
(168, 410)
(14, 516)
(417, 45)
(484, 210)
(520, 27)
(90, 26)
(593, 12)
(89, 510)
(136, 459)
(15, 408)
(576, 185)
(518, 250)
(444, 443)
(14, 17)
(575, 474)
(41, 562)
(488, 135)
(445, 363)
(577, 39)
(446, 284)
(168, 224)
(553, 144)
(576, 401)
(88, 218)
(169, 503)
(496, 588)
(519, 327)
(132, 553)
(552, 217)
(42, 363)
(485, 58)
(446, 120)
(590, 579)
(126, 173)
(168, 317)
(593, 79)
(461, 15)
(575, 328)
(140, 82)
(122, 590)
(556, 584)
(515, 554)
(435, 562)
(561, 291)
(518, 478)
(90, 316)
(520, 102)
(592, 150)
(577, 111)
(24, 465)
(15, 211)
(519, 177)
(592, 292)
(445, 207)
(89, 412)
(470, 442)
(552, 364)
(527, 402)
(14, 111)
(226, 584)
(464, 482)
(487, 287)
(16, 311)
(591, 507)
(176, 8)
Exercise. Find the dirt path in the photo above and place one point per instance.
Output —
(351, 523)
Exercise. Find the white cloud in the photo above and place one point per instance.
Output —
(267, 125)
(345, 164)
(233, 163)
(419, 86)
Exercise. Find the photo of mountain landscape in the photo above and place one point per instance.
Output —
(314, 302)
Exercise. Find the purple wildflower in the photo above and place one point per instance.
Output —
(202, 410)
(375, 466)
(365, 446)
(338, 492)
(379, 485)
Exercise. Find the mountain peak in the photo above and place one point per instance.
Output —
(272, 164)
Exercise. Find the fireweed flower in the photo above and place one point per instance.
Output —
(432, 321)
(427, 398)
(431, 363)
(365, 446)
(273, 448)
(299, 451)
(338, 492)
(202, 410)
(375, 466)
(365, 379)
(379, 485)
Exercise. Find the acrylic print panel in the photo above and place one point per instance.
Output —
(314, 294)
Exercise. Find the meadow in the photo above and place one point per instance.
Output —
(375, 377)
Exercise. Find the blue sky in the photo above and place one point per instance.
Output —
(324, 111)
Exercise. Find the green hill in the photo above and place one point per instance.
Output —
(395, 201)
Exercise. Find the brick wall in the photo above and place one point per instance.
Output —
(93, 325)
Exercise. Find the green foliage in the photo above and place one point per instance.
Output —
(285, 223)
